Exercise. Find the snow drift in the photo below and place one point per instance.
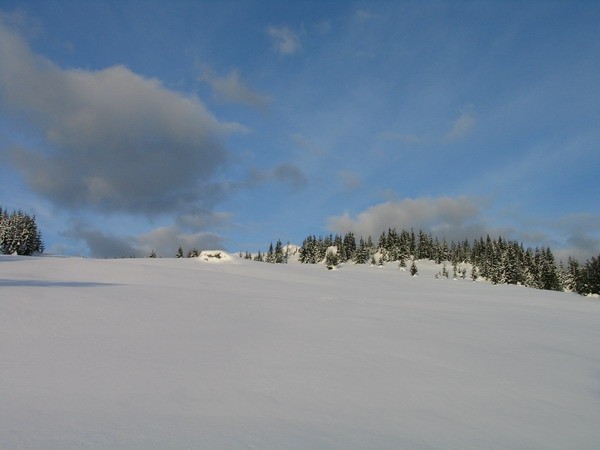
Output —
(169, 353)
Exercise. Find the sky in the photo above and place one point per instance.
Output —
(131, 126)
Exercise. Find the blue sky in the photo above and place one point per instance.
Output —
(130, 126)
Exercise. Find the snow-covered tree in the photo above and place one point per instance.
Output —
(19, 234)
(331, 259)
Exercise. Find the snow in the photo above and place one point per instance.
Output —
(169, 353)
(215, 256)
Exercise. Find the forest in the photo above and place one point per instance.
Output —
(498, 260)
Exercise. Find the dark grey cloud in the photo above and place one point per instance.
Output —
(163, 240)
(582, 236)
(113, 140)
(102, 245)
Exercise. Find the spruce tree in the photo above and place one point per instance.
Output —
(19, 234)
(279, 257)
(331, 260)
(402, 264)
(413, 269)
(592, 276)
(270, 258)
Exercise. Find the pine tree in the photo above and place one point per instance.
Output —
(474, 273)
(349, 244)
(179, 253)
(19, 234)
(279, 257)
(363, 253)
(331, 260)
(591, 278)
(270, 258)
(402, 264)
(444, 271)
(413, 269)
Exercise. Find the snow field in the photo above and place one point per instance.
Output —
(181, 353)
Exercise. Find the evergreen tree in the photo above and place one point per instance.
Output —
(402, 264)
(179, 253)
(270, 257)
(349, 245)
(19, 234)
(331, 260)
(573, 276)
(279, 257)
(444, 271)
(474, 273)
(413, 269)
(549, 277)
(363, 253)
(591, 277)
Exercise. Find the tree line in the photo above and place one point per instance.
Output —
(19, 234)
(498, 260)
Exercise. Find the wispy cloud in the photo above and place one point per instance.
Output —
(231, 88)
(350, 180)
(285, 173)
(461, 127)
(363, 15)
(285, 41)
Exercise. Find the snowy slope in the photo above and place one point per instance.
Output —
(180, 353)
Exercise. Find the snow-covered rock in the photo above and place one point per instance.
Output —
(215, 256)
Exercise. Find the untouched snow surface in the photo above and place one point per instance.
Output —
(174, 353)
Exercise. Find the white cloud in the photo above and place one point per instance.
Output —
(461, 127)
(285, 41)
(232, 89)
(452, 218)
(114, 140)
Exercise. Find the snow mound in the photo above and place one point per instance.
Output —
(215, 256)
